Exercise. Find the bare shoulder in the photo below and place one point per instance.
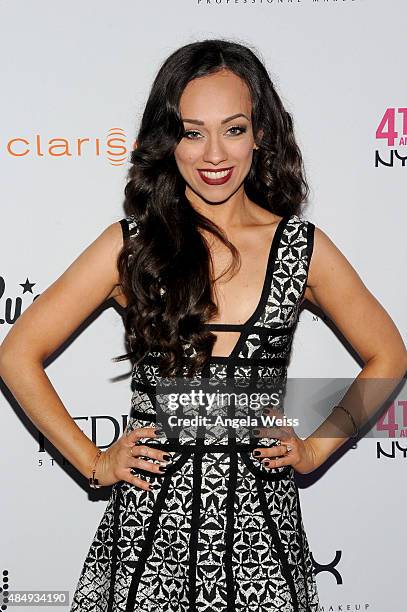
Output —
(114, 242)
(326, 258)
(110, 243)
(328, 264)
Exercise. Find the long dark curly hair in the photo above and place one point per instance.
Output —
(169, 293)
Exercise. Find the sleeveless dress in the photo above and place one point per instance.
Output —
(221, 532)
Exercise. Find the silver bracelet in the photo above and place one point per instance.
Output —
(94, 482)
(355, 429)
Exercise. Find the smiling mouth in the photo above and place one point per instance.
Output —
(216, 177)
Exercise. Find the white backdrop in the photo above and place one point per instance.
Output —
(82, 70)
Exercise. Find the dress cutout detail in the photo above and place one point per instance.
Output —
(221, 532)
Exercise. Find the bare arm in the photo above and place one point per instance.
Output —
(51, 319)
(336, 288)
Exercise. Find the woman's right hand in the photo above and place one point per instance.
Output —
(115, 463)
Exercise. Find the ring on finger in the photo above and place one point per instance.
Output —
(268, 460)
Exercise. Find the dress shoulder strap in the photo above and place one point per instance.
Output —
(310, 228)
(300, 237)
(129, 227)
(298, 246)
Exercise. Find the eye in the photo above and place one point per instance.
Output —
(241, 129)
(188, 133)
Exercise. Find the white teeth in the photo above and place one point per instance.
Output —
(215, 175)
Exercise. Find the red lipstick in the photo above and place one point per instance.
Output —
(216, 181)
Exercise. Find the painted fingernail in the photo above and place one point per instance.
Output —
(162, 468)
(167, 457)
(256, 453)
(159, 431)
(266, 463)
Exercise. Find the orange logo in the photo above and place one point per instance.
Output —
(114, 147)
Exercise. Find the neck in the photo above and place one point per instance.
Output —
(227, 214)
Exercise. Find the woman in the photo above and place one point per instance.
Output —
(216, 171)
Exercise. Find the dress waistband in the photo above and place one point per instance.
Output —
(176, 445)
(143, 416)
(196, 447)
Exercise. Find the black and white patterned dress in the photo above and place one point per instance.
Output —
(221, 533)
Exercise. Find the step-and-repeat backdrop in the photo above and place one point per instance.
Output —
(75, 80)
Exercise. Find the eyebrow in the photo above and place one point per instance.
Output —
(198, 122)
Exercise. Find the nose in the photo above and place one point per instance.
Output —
(215, 152)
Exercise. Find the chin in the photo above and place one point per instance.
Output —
(214, 194)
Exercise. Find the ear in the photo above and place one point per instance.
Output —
(258, 138)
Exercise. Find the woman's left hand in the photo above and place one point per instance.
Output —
(292, 450)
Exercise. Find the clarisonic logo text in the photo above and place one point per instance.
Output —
(113, 146)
